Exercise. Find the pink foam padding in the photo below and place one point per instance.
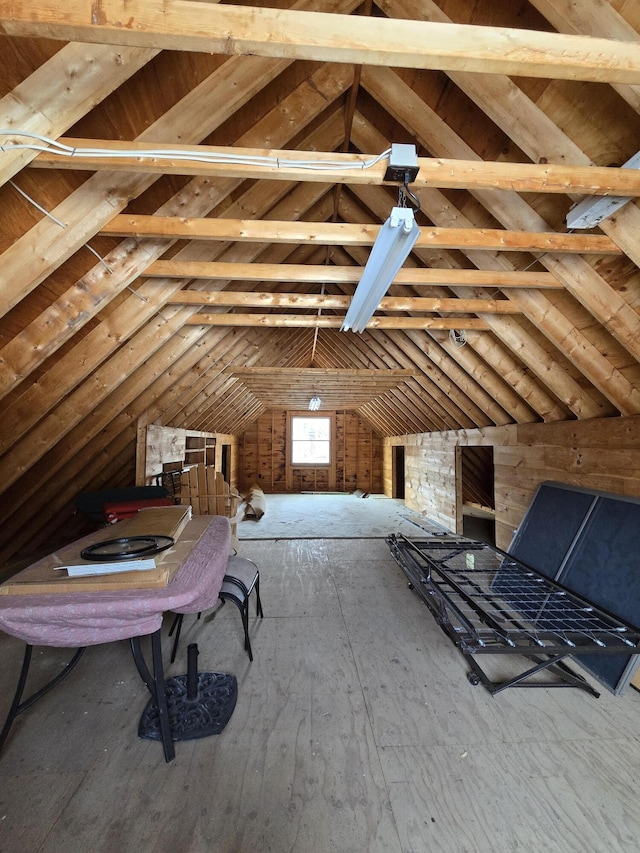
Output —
(89, 618)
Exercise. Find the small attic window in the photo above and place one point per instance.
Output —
(310, 440)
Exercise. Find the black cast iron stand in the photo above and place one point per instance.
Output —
(196, 705)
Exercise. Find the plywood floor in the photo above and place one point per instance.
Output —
(333, 516)
(355, 731)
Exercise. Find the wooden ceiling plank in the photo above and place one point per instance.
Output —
(133, 396)
(428, 369)
(103, 341)
(91, 470)
(540, 138)
(582, 281)
(603, 18)
(205, 373)
(538, 361)
(452, 404)
(416, 411)
(446, 375)
(499, 97)
(232, 162)
(378, 427)
(396, 419)
(420, 392)
(341, 234)
(137, 358)
(62, 90)
(205, 370)
(325, 36)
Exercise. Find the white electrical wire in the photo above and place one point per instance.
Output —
(63, 225)
(52, 146)
(37, 206)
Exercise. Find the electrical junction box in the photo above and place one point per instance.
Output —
(403, 162)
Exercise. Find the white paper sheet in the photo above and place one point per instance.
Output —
(87, 569)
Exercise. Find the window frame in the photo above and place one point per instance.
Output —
(311, 416)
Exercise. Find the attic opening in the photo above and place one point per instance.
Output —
(477, 493)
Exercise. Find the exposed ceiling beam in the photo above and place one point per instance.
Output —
(162, 159)
(304, 321)
(325, 273)
(341, 234)
(194, 26)
(256, 299)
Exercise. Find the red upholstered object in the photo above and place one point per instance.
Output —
(126, 509)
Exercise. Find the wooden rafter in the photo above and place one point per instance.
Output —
(580, 279)
(193, 26)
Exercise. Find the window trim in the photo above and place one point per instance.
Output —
(327, 416)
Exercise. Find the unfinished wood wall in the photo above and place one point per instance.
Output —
(599, 454)
(158, 445)
(356, 463)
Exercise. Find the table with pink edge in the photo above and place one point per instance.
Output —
(77, 619)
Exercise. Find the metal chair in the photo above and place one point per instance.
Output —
(241, 578)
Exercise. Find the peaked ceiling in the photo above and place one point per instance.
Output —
(153, 288)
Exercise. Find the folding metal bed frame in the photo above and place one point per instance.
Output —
(489, 603)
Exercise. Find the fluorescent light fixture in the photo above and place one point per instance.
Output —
(592, 210)
(393, 244)
(314, 404)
